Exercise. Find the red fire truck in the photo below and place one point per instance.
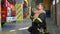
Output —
(8, 12)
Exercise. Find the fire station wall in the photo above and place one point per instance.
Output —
(47, 7)
(53, 12)
(58, 14)
(47, 4)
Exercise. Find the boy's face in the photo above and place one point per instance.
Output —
(40, 7)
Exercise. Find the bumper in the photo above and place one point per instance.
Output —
(10, 19)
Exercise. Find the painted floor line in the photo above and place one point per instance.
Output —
(19, 29)
(12, 30)
(23, 28)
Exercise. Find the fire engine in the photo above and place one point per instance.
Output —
(8, 12)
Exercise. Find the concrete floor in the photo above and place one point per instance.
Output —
(14, 28)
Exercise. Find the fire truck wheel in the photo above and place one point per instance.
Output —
(2, 23)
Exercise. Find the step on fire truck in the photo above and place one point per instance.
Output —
(8, 12)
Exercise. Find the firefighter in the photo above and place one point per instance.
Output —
(38, 20)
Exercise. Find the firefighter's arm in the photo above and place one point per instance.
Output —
(42, 17)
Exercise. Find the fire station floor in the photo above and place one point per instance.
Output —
(20, 27)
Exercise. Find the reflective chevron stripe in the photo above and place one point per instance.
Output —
(34, 19)
(19, 12)
(37, 19)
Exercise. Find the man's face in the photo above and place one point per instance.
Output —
(40, 7)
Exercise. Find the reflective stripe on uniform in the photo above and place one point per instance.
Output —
(37, 19)
(34, 19)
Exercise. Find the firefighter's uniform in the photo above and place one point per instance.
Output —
(38, 24)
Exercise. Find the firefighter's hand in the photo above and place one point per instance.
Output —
(36, 15)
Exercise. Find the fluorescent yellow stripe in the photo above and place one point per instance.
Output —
(19, 12)
(34, 19)
(43, 32)
(19, 9)
(39, 20)
(17, 5)
(19, 16)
